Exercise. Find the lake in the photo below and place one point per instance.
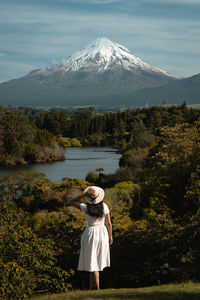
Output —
(79, 161)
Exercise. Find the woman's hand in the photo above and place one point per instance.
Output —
(68, 197)
(49, 194)
(110, 240)
(90, 193)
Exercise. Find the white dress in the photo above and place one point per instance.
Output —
(95, 250)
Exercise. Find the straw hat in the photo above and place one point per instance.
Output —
(97, 194)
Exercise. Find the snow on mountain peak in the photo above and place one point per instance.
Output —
(102, 54)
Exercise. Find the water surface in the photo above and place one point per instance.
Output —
(79, 161)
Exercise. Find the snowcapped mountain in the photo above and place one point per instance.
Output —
(101, 55)
(103, 70)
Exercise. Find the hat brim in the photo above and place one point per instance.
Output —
(98, 199)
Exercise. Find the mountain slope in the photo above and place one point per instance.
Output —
(88, 77)
(185, 90)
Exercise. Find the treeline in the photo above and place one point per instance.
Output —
(22, 142)
(119, 129)
(30, 135)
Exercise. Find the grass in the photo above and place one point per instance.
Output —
(189, 291)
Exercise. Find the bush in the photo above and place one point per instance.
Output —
(75, 142)
(28, 262)
(92, 177)
(65, 141)
(16, 282)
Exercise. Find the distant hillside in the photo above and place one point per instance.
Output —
(184, 90)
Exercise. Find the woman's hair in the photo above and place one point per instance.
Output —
(95, 210)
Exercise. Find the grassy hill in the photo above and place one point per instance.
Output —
(182, 291)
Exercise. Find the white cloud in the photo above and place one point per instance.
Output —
(103, 2)
(187, 2)
(125, 2)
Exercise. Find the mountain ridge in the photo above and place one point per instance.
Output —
(100, 70)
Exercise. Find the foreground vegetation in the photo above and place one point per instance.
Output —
(184, 291)
(154, 199)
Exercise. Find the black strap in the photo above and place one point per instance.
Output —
(93, 199)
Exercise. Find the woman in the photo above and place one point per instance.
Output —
(97, 236)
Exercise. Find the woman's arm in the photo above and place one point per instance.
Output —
(75, 201)
(69, 197)
(109, 228)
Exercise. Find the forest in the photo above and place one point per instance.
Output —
(154, 199)
(22, 142)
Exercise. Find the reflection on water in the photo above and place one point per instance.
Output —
(79, 161)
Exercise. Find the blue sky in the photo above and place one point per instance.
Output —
(36, 33)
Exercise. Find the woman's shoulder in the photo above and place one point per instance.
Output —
(83, 207)
(106, 209)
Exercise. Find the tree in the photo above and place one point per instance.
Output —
(17, 132)
(171, 163)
